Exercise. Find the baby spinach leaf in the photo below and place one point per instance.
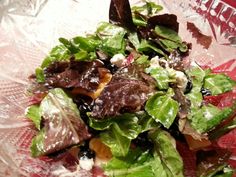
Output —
(126, 124)
(146, 46)
(165, 160)
(195, 97)
(133, 38)
(139, 21)
(146, 122)
(33, 113)
(112, 37)
(167, 33)
(120, 130)
(135, 163)
(161, 76)
(118, 143)
(58, 53)
(150, 8)
(169, 45)
(89, 43)
(218, 83)
(165, 150)
(162, 108)
(166, 20)
(143, 60)
(207, 117)
(197, 75)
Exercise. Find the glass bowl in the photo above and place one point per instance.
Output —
(29, 29)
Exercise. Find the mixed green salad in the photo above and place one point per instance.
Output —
(126, 94)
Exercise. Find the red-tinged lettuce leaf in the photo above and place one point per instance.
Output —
(201, 38)
(209, 163)
(63, 126)
(120, 14)
(83, 77)
(121, 95)
(166, 20)
(127, 92)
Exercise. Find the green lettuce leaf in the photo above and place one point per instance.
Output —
(58, 53)
(169, 45)
(120, 130)
(135, 164)
(37, 145)
(89, 43)
(163, 108)
(118, 143)
(139, 21)
(39, 75)
(112, 38)
(165, 149)
(197, 75)
(149, 7)
(207, 117)
(143, 60)
(146, 46)
(126, 124)
(218, 83)
(146, 122)
(171, 40)
(133, 38)
(168, 33)
(83, 48)
(226, 172)
(33, 113)
(164, 161)
(161, 76)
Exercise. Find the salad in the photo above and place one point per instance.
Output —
(125, 98)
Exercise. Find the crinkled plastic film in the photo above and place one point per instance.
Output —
(28, 29)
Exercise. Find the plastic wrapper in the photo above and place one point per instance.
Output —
(29, 29)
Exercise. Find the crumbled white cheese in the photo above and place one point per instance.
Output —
(181, 80)
(154, 62)
(86, 163)
(118, 60)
